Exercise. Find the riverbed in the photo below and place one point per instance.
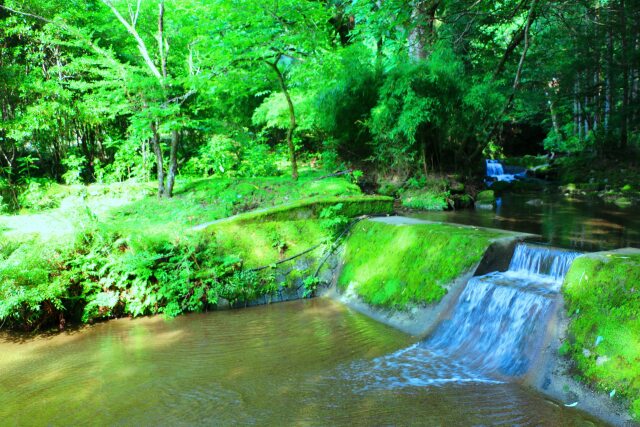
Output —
(311, 362)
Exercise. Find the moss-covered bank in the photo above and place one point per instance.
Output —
(315, 208)
(602, 292)
(106, 266)
(397, 266)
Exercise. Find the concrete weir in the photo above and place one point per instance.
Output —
(420, 321)
(530, 278)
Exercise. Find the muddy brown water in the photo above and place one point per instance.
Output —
(297, 363)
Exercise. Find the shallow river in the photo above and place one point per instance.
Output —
(587, 225)
(310, 362)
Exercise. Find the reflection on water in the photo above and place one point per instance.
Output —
(587, 225)
(284, 364)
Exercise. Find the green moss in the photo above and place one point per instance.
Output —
(399, 266)
(205, 200)
(487, 196)
(350, 206)
(603, 298)
(264, 243)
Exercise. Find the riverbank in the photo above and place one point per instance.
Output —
(106, 253)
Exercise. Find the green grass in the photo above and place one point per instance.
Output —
(264, 243)
(399, 266)
(201, 201)
(603, 299)
(111, 251)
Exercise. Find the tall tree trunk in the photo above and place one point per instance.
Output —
(173, 163)
(157, 150)
(292, 117)
(625, 77)
(608, 104)
(423, 16)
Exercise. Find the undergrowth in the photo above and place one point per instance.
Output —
(141, 257)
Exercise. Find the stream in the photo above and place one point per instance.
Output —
(588, 225)
(310, 362)
(317, 362)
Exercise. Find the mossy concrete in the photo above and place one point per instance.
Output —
(590, 355)
(409, 273)
(350, 206)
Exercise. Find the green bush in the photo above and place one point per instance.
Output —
(425, 200)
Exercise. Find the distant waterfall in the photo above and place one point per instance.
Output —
(494, 168)
(496, 171)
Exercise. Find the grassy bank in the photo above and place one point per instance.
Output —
(108, 252)
(603, 299)
(399, 266)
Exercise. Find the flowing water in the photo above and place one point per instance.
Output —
(308, 362)
(586, 225)
(496, 171)
(494, 332)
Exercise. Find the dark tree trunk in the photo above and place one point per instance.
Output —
(173, 163)
(292, 118)
(155, 145)
(625, 77)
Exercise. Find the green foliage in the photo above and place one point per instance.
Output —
(604, 304)
(75, 167)
(40, 194)
(310, 284)
(333, 220)
(401, 266)
(141, 258)
(425, 200)
(224, 156)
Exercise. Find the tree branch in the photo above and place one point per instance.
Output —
(142, 47)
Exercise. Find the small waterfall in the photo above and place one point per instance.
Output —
(494, 168)
(496, 171)
(495, 328)
(546, 262)
(500, 317)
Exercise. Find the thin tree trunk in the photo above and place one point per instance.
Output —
(173, 163)
(292, 117)
(608, 104)
(157, 150)
(625, 77)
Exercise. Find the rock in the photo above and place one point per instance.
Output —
(462, 201)
(586, 352)
(486, 197)
(601, 360)
(535, 202)
(484, 206)
(622, 202)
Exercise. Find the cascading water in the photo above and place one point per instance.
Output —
(496, 171)
(549, 263)
(494, 330)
